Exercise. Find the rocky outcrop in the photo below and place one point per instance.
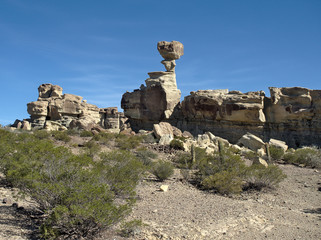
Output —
(113, 120)
(53, 106)
(160, 97)
(292, 114)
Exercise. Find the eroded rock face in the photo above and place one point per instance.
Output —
(112, 119)
(54, 109)
(160, 97)
(293, 115)
(217, 105)
(170, 50)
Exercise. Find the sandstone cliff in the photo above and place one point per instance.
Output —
(56, 111)
(157, 100)
(290, 114)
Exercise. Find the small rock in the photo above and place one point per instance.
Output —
(7, 201)
(164, 188)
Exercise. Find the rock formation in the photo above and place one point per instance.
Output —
(294, 115)
(290, 114)
(56, 111)
(157, 100)
(52, 105)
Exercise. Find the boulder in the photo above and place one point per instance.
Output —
(166, 139)
(261, 161)
(26, 125)
(251, 141)
(163, 128)
(278, 143)
(54, 126)
(170, 50)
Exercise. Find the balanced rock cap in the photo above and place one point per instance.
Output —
(170, 50)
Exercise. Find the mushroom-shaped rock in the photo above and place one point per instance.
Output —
(170, 50)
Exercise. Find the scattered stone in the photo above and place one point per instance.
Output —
(251, 141)
(278, 143)
(164, 188)
(261, 161)
(162, 129)
(7, 200)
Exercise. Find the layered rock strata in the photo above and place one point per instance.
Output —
(290, 114)
(293, 115)
(113, 120)
(157, 100)
(53, 106)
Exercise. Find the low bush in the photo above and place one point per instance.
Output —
(177, 144)
(130, 228)
(226, 173)
(105, 137)
(225, 182)
(85, 133)
(41, 134)
(258, 177)
(92, 148)
(80, 196)
(146, 156)
(307, 156)
(276, 153)
(61, 136)
(163, 170)
(125, 142)
(73, 132)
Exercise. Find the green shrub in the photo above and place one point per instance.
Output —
(85, 133)
(258, 176)
(163, 170)
(125, 142)
(226, 173)
(176, 144)
(146, 156)
(41, 134)
(183, 160)
(308, 156)
(61, 136)
(79, 195)
(276, 153)
(251, 155)
(72, 132)
(92, 148)
(149, 138)
(105, 137)
(130, 228)
(225, 182)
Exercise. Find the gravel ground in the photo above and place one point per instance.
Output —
(293, 211)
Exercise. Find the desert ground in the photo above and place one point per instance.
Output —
(293, 211)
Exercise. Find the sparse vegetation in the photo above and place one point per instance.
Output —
(146, 156)
(128, 142)
(130, 228)
(85, 133)
(177, 144)
(276, 152)
(61, 136)
(80, 196)
(307, 156)
(162, 170)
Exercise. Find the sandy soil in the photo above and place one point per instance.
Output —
(293, 211)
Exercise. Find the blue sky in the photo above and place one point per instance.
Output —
(101, 49)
